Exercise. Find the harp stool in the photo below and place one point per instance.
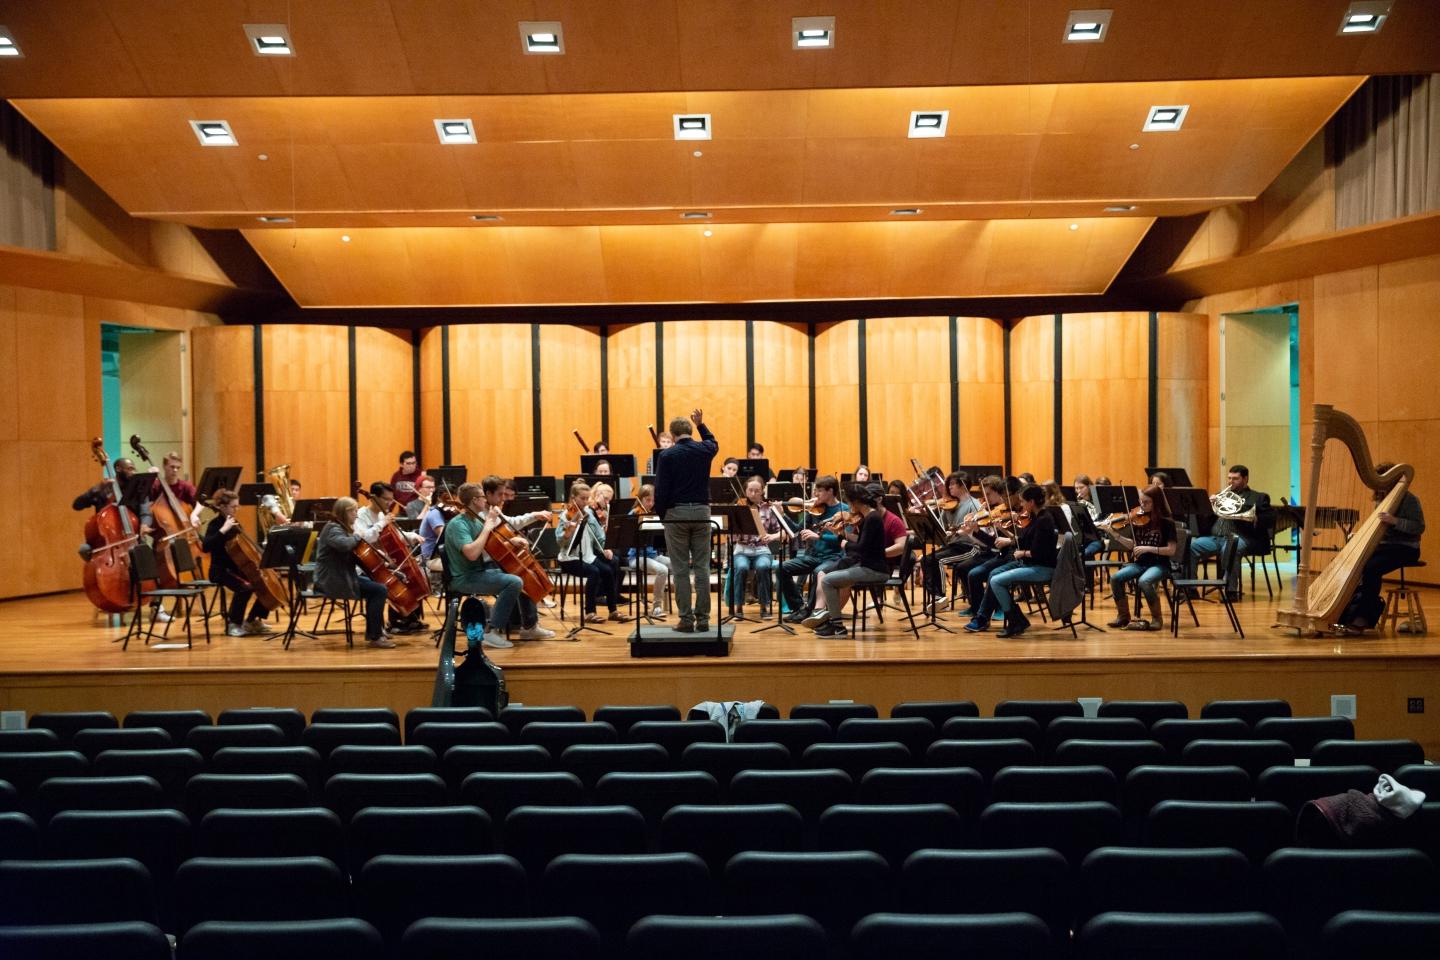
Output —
(1403, 611)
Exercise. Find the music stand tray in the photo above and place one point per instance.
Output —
(213, 478)
(251, 493)
(621, 464)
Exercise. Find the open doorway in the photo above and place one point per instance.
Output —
(143, 385)
(1260, 398)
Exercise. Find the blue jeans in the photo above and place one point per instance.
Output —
(687, 540)
(1093, 549)
(798, 568)
(1146, 577)
(762, 564)
(1202, 547)
(505, 588)
(1001, 582)
(975, 591)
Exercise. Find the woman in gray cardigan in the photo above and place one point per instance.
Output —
(336, 576)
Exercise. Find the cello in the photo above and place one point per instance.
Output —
(171, 517)
(109, 535)
(534, 582)
(389, 563)
(264, 581)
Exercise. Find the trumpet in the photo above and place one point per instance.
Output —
(1229, 505)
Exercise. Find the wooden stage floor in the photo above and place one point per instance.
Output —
(56, 654)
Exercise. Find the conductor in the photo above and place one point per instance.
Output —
(682, 500)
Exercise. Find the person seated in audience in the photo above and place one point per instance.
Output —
(1245, 530)
(1151, 546)
(337, 578)
(1400, 547)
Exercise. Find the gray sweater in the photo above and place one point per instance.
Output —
(1409, 522)
(335, 574)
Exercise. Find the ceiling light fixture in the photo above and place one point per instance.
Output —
(1087, 26)
(695, 215)
(1120, 208)
(812, 33)
(906, 212)
(928, 123)
(8, 46)
(707, 233)
(1165, 119)
(1364, 17)
(345, 238)
(542, 36)
(269, 39)
(1074, 226)
(276, 219)
(213, 133)
(455, 131)
(691, 126)
(486, 218)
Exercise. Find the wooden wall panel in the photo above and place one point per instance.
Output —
(907, 369)
(782, 393)
(1032, 395)
(981, 343)
(384, 401)
(222, 371)
(432, 431)
(1105, 403)
(1181, 378)
(705, 367)
(491, 425)
(307, 405)
(570, 399)
(631, 358)
(837, 397)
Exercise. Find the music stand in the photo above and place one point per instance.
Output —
(1120, 498)
(621, 464)
(755, 468)
(537, 487)
(213, 478)
(1178, 476)
(622, 534)
(447, 478)
(725, 490)
(589, 479)
(283, 550)
(1193, 503)
(739, 521)
(317, 510)
(922, 524)
(138, 488)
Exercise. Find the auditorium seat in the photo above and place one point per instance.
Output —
(555, 736)
(544, 938)
(1420, 776)
(796, 735)
(833, 714)
(91, 742)
(986, 757)
(591, 761)
(1250, 711)
(723, 760)
(297, 832)
(622, 718)
(418, 715)
(1055, 785)
(284, 940)
(171, 768)
(393, 891)
(66, 725)
(915, 733)
(9, 797)
(210, 791)
(1303, 733)
(1304, 889)
(716, 833)
(1174, 735)
(19, 836)
(1149, 784)
(1118, 756)
(26, 771)
(1354, 933)
(290, 721)
(176, 722)
(856, 759)
(109, 890)
(1035, 880)
(994, 728)
(1181, 936)
(209, 740)
(1091, 728)
(1252, 756)
(887, 936)
(268, 889)
(675, 735)
(613, 892)
(515, 718)
(303, 762)
(1164, 880)
(112, 941)
(936, 711)
(159, 839)
(892, 830)
(347, 793)
(31, 740)
(325, 737)
(1041, 711)
(499, 793)
(713, 938)
(1256, 828)
(653, 794)
(457, 763)
(359, 715)
(1387, 756)
(835, 889)
(1148, 712)
(808, 791)
(95, 793)
(440, 736)
(961, 788)
(350, 758)
(1074, 829)
(418, 832)
(537, 835)
(1293, 786)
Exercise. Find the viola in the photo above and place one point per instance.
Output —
(109, 535)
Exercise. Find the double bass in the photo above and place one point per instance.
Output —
(171, 518)
(109, 535)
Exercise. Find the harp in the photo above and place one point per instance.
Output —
(1326, 576)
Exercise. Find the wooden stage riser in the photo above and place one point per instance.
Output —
(1382, 686)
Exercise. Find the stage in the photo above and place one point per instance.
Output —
(57, 654)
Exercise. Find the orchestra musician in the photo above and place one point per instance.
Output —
(682, 499)
(664, 440)
(337, 578)
(473, 572)
(819, 550)
(1077, 520)
(1245, 500)
(1400, 547)
(730, 468)
(1085, 495)
(183, 489)
(368, 522)
(753, 553)
(424, 497)
(223, 571)
(653, 564)
(896, 541)
(601, 447)
(431, 523)
(957, 488)
(602, 469)
(403, 480)
(864, 561)
(102, 494)
(861, 475)
(1032, 561)
(583, 554)
(1151, 547)
(997, 537)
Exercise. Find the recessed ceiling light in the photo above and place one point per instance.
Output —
(928, 123)
(1365, 17)
(1165, 119)
(542, 36)
(1125, 208)
(455, 131)
(906, 212)
(1087, 26)
(695, 215)
(708, 233)
(269, 39)
(8, 46)
(1074, 226)
(691, 126)
(213, 133)
(345, 238)
(486, 217)
(276, 219)
(812, 33)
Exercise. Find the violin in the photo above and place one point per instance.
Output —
(1137, 517)
(841, 520)
(944, 503)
